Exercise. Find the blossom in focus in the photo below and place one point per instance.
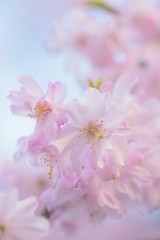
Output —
(47, 109)
(94, 131)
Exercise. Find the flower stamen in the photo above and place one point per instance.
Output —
(93, 132)
(41, 110)
(46, 160)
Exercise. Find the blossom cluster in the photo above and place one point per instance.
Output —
(100, 155)
(96, 158)
(115, 41)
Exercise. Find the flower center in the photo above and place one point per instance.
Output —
(93, 132)
(41, 110)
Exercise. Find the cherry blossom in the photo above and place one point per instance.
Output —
(94, 131)
(47, 109)
(93, 160)
(18, 219)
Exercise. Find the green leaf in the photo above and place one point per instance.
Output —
(102, 5)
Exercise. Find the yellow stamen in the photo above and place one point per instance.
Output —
(49, 167)
(41, 110)
(50, 170)
(47, 160)
(93, 132)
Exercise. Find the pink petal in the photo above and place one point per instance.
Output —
(123, 87)
(31, 86)
(80, 114)
(56, 92)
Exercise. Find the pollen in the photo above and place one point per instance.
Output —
(41, 110)
(46, 160)
(48, 166)
(93, 132)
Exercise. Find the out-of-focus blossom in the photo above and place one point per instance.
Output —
(111, 45)
(18, 219)
(84, 33)
(18, 175)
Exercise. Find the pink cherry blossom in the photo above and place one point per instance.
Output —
(83, 33)
(90, 161)
(47, 109)
(37, 150)
(18, 219)
(17, 175)
(94, 131)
